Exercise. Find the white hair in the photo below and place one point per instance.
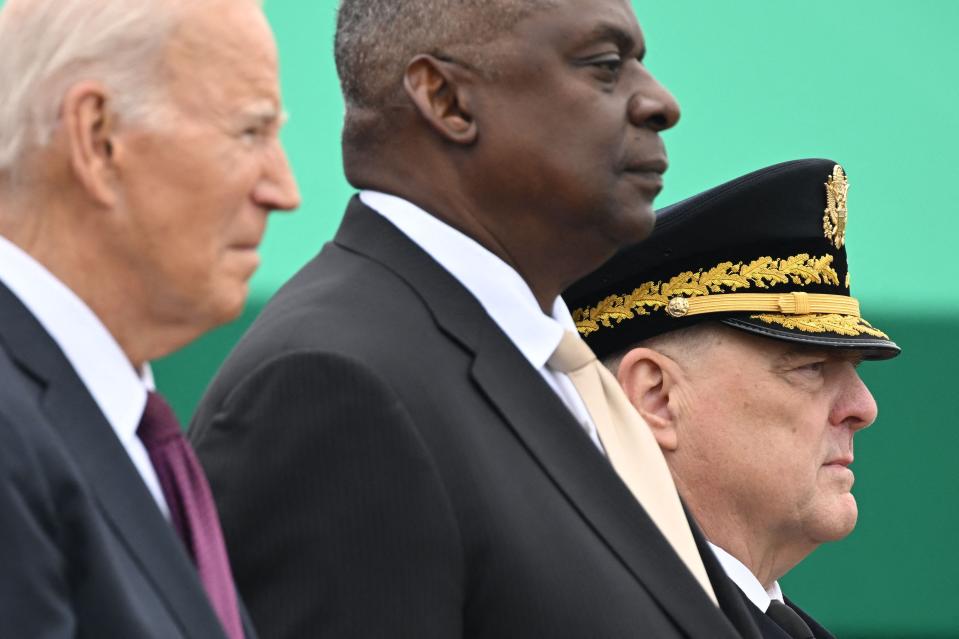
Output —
(50, 45)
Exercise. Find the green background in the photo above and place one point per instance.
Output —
(872, 84)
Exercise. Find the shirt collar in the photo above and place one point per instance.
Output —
(746, 580)
(87, 344)
(501, 291)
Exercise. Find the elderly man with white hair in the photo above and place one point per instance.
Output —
(139, 160)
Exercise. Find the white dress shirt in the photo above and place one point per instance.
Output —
(746, 580)
(499, 289)
(94, 354)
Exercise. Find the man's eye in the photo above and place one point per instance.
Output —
(252, 134)
(609, 63)
(812, 367)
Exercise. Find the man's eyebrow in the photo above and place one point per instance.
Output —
(608, 32)
(264, 112)
(804, 350)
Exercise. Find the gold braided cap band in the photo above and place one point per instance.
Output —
(794, 303)
(713, 290)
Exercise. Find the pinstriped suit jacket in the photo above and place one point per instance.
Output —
(387, 464)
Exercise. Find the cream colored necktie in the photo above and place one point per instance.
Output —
(631, 448)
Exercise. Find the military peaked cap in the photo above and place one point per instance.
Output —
(765, 253)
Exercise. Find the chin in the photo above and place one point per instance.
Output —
(234, 309)
(635, 225)
(838, 520)
(229, 304)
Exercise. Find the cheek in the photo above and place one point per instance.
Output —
(758, 426)
(577, 141)
(803, 447)
(220, 214)
(194, 240)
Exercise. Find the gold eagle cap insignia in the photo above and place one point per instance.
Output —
(836, 214)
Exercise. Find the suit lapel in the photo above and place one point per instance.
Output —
(125, 501)
(768, 628)
(566, 454)
(817, 629)
(543, 423)
(729, 595)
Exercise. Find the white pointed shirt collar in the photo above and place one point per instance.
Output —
(501, 291)
(746, 580)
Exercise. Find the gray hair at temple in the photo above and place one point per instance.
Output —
(376, 39)
(50, 45)
(682, 345)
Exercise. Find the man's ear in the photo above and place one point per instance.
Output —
(90, 126)
(436, 88)
(647, 378)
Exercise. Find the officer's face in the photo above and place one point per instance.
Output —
(570, 125)
(765, 435)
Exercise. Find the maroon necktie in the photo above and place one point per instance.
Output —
(192, 511)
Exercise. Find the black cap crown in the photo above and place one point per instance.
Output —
(764, 253)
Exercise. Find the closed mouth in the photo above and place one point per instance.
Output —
(251, 245)
(840, 461)
(651, 167)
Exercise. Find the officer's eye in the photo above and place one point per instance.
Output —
(812, 367)
(610, 63)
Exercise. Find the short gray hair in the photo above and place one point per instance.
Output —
(376, 39)
(50, 45)
(684, 343)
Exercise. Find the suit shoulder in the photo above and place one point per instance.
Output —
(311, 373)
(301, 386)
(338, 290)
(352, 309)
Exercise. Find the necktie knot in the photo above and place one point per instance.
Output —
(572, 354)
(159, 424)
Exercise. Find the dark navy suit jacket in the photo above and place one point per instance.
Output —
(84, 550)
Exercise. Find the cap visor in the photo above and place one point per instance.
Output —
(817, 331)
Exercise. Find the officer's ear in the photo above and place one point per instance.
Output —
(649, 379)
(439, 88)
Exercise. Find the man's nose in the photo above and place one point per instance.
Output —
(277, 190)
(855, 407)
(652, 105)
